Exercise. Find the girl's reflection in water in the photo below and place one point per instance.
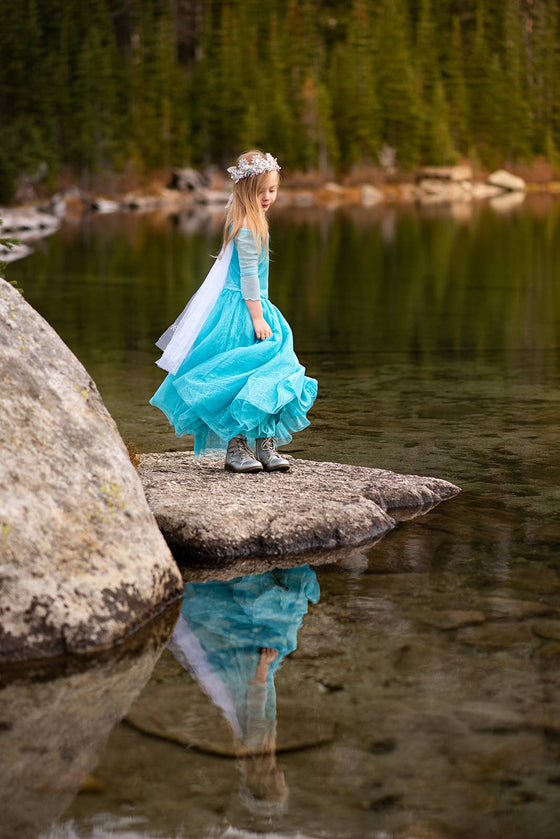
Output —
(233, 636)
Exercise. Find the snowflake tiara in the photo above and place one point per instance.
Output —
(258, 165)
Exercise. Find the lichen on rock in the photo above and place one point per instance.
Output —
(82, 562)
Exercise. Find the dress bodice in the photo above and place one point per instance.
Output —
(248, 269)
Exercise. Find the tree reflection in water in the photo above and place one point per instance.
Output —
(233, 636)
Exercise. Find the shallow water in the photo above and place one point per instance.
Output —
(434, 656)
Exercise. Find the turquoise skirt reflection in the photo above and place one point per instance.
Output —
(233, 636)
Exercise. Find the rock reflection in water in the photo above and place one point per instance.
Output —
(233, 636)
(54, 724)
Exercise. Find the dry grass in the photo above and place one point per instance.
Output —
(133, 452)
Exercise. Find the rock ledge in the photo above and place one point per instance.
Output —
(206, 513)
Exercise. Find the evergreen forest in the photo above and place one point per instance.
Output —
(326, 85)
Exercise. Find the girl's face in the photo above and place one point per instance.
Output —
(268, 192)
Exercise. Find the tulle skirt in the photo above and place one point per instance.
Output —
(231, 383)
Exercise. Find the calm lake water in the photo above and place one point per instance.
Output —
(423, 697)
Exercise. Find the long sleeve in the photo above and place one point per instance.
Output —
(248, 265)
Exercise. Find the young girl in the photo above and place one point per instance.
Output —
(234, 380)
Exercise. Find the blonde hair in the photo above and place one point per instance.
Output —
(245, 209)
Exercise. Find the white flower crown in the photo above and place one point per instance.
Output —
(258, 164)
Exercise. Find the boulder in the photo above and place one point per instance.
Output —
(370, 195)
(446, 173)
(213, 196)
(505, 180)
(205, 512)
(104, 205)
(434, 190)
(82, 562)
(28, 220)
(187, 180)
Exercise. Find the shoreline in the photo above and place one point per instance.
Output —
(454, 188)
(183, 188)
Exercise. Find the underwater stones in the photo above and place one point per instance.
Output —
(549, 629)
(495, 635)
(546, 718)
(549, 652)
(82, 562)
(489, 716)
(451, 618)
(504, 607)
(174, 707)
(206, 512)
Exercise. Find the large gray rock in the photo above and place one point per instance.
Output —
(206, 512)
(82, 562)
(505, 180)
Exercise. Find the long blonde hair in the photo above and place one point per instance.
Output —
(245, 209)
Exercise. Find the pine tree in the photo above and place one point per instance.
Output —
(437, 140)
(305, 61)
(321, 146)
(357, 113)
(426, 51)
(544, 74)
(398, 92)
(454, 82)
(483, 103)
(515, 138)
(279, 115)
(162, 81)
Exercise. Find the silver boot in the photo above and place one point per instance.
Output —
(265, 451)
(240, 458)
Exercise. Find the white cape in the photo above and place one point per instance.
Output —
(177, 341)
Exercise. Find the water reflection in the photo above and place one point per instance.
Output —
(233, 636)
(54, 725)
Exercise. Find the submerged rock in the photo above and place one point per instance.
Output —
(82, 562)
(451, 618)
(206, 512)
(178, 710)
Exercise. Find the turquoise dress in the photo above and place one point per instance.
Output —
(230, 383)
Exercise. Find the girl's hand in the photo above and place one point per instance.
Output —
(262, 329)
